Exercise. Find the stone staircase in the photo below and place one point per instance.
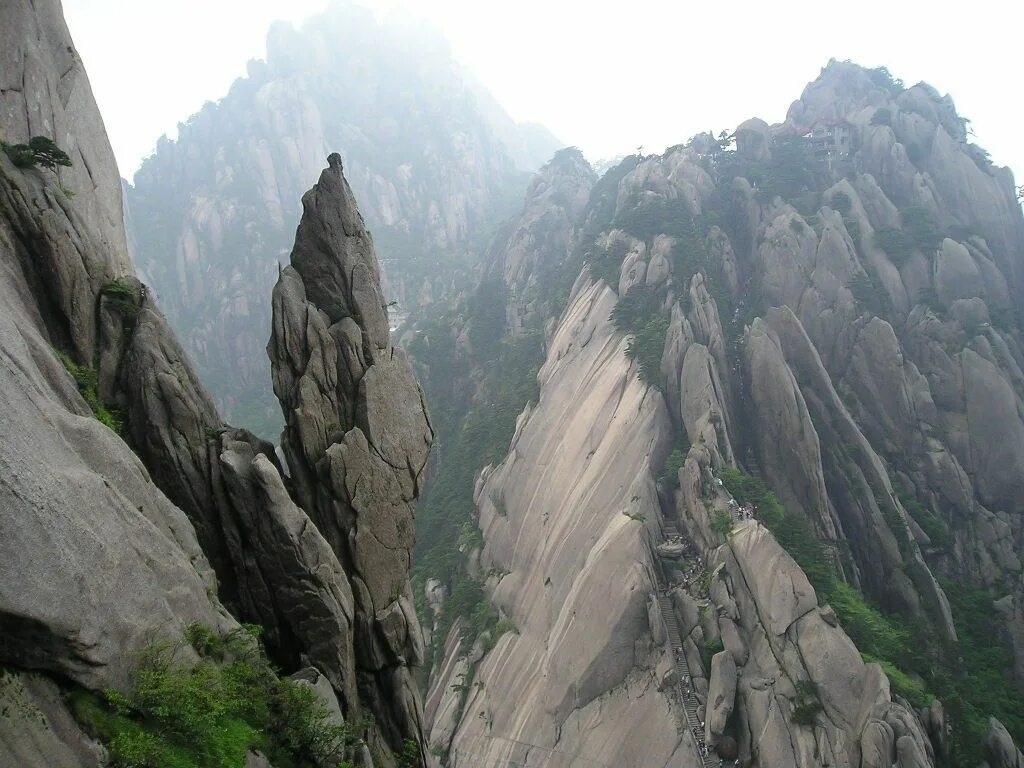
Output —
(685, 688)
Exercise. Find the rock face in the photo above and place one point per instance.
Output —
(829, 307)
(1000, 749)
(721, 695)
(81, 515)
(555, 199)
(111, 538)
(564, 524)
(356, 441)
(36, 728)
(432, 157)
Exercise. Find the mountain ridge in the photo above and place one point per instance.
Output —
(792, 302)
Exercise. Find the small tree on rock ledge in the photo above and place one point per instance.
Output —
(39, 151)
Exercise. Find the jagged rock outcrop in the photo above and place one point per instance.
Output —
(721, 695)
(356, 439)
(1000, 749)
(112, 540)
(789, 639)
(432, 158)
(82, 517)
(555, 199)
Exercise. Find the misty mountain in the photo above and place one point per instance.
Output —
(170, 595)
(432, 157)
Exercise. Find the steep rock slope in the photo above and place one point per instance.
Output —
(478, 361)
(78, 503)
(129, 510)
(829, 307)
(566, 558)
(432, 158)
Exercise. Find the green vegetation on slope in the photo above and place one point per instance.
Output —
(211, 713)
(39, 151)
(642, 313)
(474, 428)
(85, 378)
(973, 677)
(122, 298)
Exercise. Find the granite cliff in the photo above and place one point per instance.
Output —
(131, 515)
(818, 318)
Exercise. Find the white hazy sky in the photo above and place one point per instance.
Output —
(606, 76)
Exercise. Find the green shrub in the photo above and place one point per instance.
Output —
(673, 463)
(410, 755)
(470, 536)
(19, 154)
(867, 293)
(606, 263)
(211, 713)
(922, 228)
(882, 116)
(39, 151)
(641, 312)
(842, 203)
(722, 523)
(122, 298)
(85, 378)
(902, 684)
(500, 507)
(883, 78)
(807, 704)
(896, 243)
(934, 528)
(918, 231)
(711, 647)
(504, 626)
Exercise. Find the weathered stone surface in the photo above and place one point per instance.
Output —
(999, 747)
(103, 549)
(555, 198)
(721, 695)
(37, 731)
(876, 392)
(356, 441)
(577, 583)
(81, 517)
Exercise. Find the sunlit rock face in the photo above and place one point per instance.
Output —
(431, 156)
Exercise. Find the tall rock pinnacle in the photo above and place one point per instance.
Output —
(356, 438)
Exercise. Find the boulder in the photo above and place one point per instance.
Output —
(999, 747)
(721, 695)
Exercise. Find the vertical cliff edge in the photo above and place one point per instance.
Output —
(131, 516)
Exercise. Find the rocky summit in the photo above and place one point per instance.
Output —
(718, 458)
